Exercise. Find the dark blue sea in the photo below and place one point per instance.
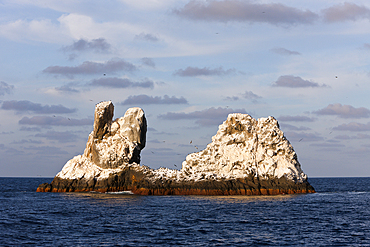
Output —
(337, 215)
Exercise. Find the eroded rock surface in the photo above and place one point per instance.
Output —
(245, 146)
(246, 157)
(103, 119)
(110, 145)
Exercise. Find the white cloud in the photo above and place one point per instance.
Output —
(346, 11)
(353, 127)
(147, 37)
(245, 11)
(294, 82)
(296, 118)
(28, 106)
(303, 137)
(96, 45)
(55, 121)
(143, 99)
(356, 137)
(344, 111)
(294, 128)
(67, 28)
(206, 117)
(148, 4)
(148, 62)
(195, 71)
(249, 95)
(89, 67)
(283, 51)
(114, 82)
(36, 30)
(5, 88)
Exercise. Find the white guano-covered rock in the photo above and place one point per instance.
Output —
(245, 146)
(242, 147)
(111, 145)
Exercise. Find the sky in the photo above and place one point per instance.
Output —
(187, 64)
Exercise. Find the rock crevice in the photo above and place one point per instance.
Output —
(118, 142)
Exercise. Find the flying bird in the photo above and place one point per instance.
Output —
(191, 141)
(300, 140)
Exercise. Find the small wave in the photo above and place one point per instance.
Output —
(358, 192)
(126, 192)
(327, 193)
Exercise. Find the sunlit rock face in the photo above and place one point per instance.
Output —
(245, 146)
(113, 144)
(110, 145)
(103, 119)
(246, 157)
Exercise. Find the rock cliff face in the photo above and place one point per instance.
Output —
(246, 157)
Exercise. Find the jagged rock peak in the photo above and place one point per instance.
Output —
(133, 125)
(103, 118)
(245, 146)
(112, 144)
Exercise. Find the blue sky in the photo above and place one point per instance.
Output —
(187, 64)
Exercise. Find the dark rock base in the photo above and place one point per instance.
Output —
(137, 183)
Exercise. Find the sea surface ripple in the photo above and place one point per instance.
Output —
(337, 215)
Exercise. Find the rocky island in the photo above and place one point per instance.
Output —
(246, 157)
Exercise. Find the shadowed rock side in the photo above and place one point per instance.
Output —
(246, 157)
(130, 179)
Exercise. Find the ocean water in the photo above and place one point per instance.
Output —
(337, 215)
